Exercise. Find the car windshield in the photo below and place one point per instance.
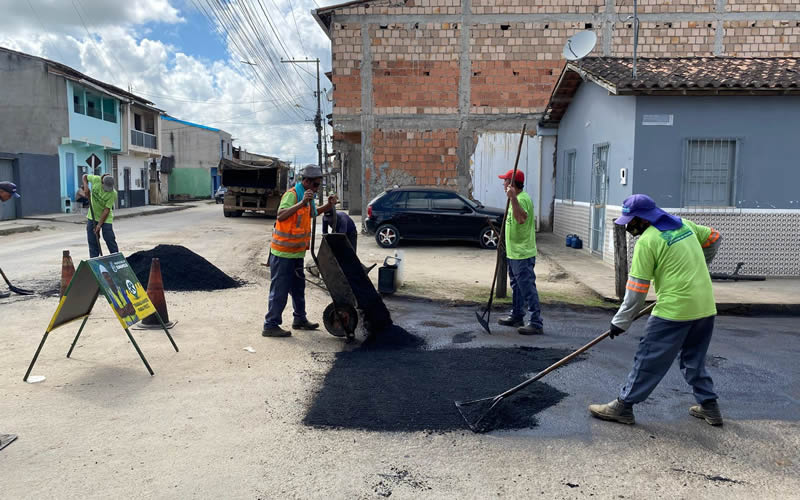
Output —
(473, 204)
(378, 198)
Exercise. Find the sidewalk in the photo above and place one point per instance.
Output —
(775, 295)
(120, 213)
(17, 226)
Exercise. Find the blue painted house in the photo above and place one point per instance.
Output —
(52, 120)
(711, 139)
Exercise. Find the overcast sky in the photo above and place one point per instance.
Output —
(169, 52)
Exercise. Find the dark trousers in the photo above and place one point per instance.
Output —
(108, 236)
(662, 342)
(523, 290)
(353, 239)
(286, 278)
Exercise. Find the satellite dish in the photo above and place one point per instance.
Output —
(579, 45)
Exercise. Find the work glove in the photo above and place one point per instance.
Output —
(615, 330)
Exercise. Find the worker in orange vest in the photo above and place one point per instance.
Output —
(291, 237)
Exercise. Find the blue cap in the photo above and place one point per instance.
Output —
(642, 206)
(9, 187)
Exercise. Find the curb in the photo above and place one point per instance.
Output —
(162, 210)
(495, 307)
(27, 228)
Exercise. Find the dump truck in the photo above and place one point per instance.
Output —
(253, 185)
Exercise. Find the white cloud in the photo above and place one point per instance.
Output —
(123, 52)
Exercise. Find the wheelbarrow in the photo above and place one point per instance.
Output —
(351, 290)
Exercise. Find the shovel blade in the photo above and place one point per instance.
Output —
(483, 322)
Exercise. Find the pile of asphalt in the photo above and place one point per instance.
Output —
(181, 269)
(406, 389)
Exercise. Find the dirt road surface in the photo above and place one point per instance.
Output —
(217, 421)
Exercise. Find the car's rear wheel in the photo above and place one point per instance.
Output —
(387, 236)
(489, 238)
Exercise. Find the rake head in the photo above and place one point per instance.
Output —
(476, 411)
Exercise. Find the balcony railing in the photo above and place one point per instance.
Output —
(143, 140)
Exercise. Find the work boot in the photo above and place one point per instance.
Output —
(709, 410)
(615, 411)
(275, 332)
(305, 325)
(510, 321)
(530, 329)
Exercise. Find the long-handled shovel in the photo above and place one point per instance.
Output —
(483, 318)
(17, 290)
(480, 408)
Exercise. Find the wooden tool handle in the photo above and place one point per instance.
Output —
(569, 358)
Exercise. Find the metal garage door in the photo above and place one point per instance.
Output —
(8, 210)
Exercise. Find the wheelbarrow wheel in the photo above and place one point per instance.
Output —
(340, 321)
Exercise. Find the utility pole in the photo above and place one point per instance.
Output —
(318, 117)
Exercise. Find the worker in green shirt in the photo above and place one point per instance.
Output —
(674, 254)
(520, 245)
(101, 212)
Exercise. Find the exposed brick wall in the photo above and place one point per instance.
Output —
(762, 5)
(538, 6)
(663, 7)
(515, 65)
(429, 156)
(762, 38)
(684, 38)
(346, 64)
(415, 68)
(406, 7)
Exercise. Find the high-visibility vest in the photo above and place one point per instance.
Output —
(293, 235)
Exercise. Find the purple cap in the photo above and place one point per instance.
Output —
(642, 206)
(9, 187)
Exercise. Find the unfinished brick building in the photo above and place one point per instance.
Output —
(434, 92)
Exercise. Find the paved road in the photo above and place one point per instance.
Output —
(217, 421)
(203, 228)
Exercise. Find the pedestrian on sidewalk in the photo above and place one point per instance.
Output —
(291, 237)
(520, 247)
(340, 222)
(8, 190)
(100, 218)
(674, 254)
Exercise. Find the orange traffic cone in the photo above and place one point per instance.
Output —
(67, 271)
(155, 291)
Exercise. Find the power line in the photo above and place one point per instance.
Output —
(186, 99)
(36, 14)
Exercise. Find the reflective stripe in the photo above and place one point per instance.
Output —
(712, 238)
(289, 244)
(637, 287)
(289, 235)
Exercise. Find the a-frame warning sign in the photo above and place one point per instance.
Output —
(113, 277)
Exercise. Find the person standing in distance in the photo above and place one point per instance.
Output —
(102, 197)
(520, 243)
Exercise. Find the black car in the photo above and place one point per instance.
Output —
(423, 213)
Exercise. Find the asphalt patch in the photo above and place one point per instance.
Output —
(407, 390)
(181, 270)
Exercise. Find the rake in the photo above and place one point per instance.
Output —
(483, 318)
(483, 407)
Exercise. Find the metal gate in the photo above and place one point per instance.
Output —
(8, 209)
(599, 196)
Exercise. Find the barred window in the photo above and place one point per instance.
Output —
(709, 173)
